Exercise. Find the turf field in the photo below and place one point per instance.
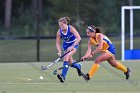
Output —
(24, 78)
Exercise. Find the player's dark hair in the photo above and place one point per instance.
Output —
(97, 29)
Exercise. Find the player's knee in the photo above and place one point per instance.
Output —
(113, 64)
(97, 61)
(67, 57)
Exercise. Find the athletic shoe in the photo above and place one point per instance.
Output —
(86, 76)
(61, 78)
(43, 68)
(79, 70)
(127, 74)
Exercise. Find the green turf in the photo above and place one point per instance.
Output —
(24, 78)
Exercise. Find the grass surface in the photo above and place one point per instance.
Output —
(24, 78)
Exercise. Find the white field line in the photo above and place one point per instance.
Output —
(35, 83)
(26, 83)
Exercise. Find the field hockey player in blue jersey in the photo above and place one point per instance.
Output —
(71, 39)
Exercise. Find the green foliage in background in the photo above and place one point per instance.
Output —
(105, 14)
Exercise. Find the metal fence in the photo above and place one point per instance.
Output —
(28, 49)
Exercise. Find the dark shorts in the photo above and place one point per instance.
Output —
(67, 45)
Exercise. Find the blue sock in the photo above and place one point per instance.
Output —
(65, 68)
(77, 66)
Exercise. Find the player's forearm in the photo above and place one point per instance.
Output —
(77, 41)
(58, 47)
(97, 50)
(87, 53)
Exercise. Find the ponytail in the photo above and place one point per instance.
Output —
(67, 19)
(98, 30)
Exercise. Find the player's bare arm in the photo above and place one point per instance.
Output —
(78, 38)
(100, 45)
(88, 52)
(58, 43)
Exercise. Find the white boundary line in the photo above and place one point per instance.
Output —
(35, 83)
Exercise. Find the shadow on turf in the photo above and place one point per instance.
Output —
(45, 73)
(38, 69)
(132, 82)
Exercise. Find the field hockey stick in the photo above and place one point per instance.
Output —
(55, 72)
(77, 61)
(55, 61)
(82, 74)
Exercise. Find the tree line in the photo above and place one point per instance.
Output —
(20, 17)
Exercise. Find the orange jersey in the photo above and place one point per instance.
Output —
(107, 44)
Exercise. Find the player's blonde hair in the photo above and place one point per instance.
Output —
(65, 20)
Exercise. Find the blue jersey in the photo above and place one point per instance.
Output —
(68, 38)
(107, 44)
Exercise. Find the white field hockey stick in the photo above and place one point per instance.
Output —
(55, 61)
